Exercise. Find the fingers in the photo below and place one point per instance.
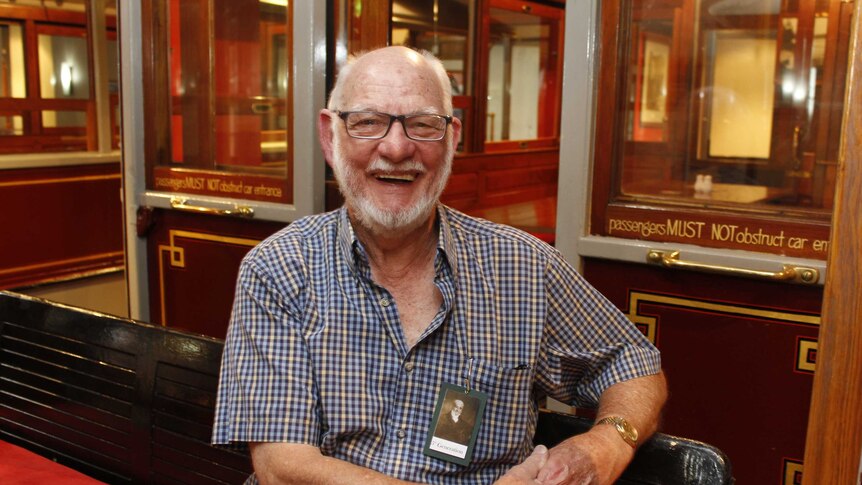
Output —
(531, 466)
(536, 461)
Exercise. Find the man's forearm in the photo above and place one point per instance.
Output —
(639, 401)
(600, 455)
(290, 463)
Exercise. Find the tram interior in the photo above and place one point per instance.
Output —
(703, 107)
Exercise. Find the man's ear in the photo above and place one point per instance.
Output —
(324, 133)
(456, 132)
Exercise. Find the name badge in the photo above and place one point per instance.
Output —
(455, 425)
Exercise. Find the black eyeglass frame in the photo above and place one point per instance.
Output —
(401, 118)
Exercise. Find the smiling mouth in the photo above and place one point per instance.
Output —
(395, 178)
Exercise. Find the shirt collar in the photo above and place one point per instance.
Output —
(445, 241)
(347, 241)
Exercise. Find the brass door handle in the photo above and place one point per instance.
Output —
(180, 203)
(788, 274)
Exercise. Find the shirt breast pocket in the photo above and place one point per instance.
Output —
(510, 413)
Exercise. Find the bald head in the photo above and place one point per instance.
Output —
(426, 72)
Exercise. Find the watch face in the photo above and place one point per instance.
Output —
(626, 431)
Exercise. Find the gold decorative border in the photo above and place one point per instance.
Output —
(62, 262)
(178, 260)
(648, 324)
(60, 180)
(804, 360)
(792, 472)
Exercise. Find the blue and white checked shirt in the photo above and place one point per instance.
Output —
(315, 353)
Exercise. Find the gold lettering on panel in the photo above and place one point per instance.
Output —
(747, 235)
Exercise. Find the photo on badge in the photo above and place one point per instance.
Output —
(455, 425)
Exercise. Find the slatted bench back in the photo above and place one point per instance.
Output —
(118, 400)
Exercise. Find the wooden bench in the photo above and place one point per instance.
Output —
(126, 402)
(117, 400)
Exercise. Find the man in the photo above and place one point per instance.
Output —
(452, 427)
(348, 325)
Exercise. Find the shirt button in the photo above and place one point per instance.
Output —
(384, 302)
(408, 367)
(401, 434)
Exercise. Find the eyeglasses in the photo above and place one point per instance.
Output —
(371, 125)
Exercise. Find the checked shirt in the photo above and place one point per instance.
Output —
(315, 353)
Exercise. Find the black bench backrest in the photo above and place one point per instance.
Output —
(118, 400)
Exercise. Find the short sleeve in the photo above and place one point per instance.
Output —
(266, 388)
(588, 344)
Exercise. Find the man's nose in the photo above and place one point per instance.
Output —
(395, 145)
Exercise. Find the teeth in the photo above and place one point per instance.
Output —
(404, 177)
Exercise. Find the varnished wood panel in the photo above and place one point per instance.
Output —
(739, 356)
(193, 262)
(834, 446)
(368, 24)
(59, 223)
(501, 179)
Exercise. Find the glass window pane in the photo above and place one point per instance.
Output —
(730, 110)
(67, 5)
(520, 62)
(11, 125)
(228, 98)
(13, 79)
(50, 46)
(231, 114)
(64, 66)
(441, 27)
(64, 119)
(113, 67)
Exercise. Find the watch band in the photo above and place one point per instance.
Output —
(627, 432)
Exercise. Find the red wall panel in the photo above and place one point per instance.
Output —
(739, 355)
(59, 222)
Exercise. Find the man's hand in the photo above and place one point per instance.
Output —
(597, 457)
(525, 473)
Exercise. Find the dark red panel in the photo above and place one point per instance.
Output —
(738, 356)
(58, 222)
(193, 264)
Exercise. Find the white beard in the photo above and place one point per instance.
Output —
(376, 219)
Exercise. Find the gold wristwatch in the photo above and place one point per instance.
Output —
(626, 430)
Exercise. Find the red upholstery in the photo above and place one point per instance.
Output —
(19, 467)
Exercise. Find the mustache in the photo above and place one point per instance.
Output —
(382, 165)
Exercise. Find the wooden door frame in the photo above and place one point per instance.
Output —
(833, 448)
